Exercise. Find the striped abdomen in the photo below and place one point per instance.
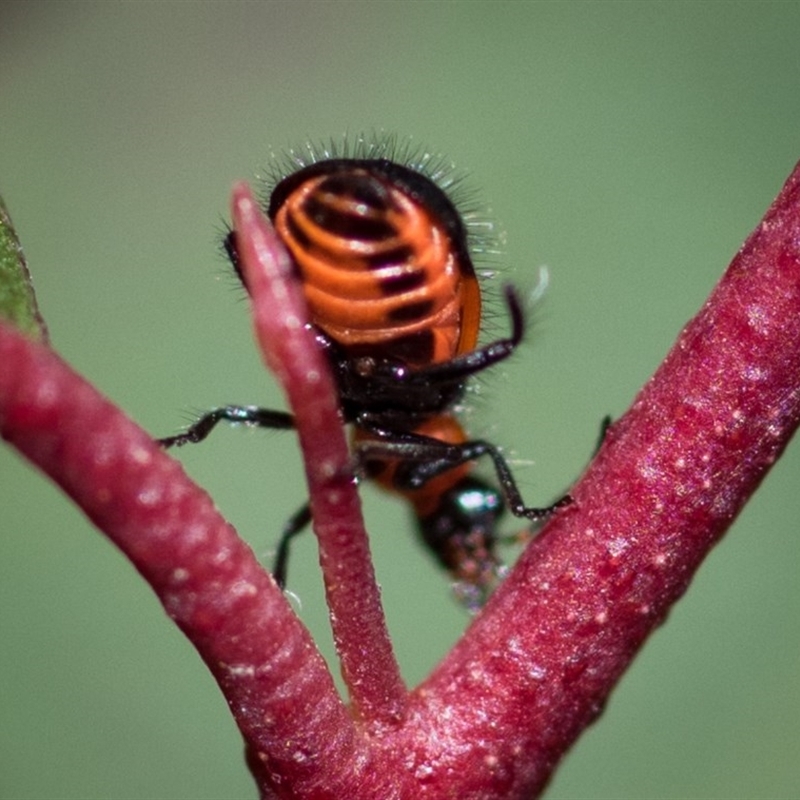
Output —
(383, 259)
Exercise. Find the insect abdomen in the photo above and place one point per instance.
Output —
(379, 269)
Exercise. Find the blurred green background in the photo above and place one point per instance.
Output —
(631, 147)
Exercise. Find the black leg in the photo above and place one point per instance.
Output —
(249, 415)
(296, 524)
(461, 367)
(262, 418)
(424, 458)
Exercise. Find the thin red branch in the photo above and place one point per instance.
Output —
(289, 348)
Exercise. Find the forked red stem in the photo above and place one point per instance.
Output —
(537, 665)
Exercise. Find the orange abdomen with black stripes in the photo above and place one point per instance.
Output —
(384, 269)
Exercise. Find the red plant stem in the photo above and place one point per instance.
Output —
(538, 665)
(276, 683)
(290, 350)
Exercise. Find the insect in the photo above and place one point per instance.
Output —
(383, 257)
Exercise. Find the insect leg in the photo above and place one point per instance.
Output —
(295, 525)
(262, 418)
(461, 367)
(249, 415)
(424, 458)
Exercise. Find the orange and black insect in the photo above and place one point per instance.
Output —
(393, 295)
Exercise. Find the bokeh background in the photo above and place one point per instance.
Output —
(630, 147)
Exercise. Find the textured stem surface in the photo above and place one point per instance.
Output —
(538, 665)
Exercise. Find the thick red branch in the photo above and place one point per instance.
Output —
(277, 685)
(538, 665)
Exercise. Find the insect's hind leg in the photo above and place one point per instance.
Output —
(249, 415)
(423, 458)
(516, 505)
